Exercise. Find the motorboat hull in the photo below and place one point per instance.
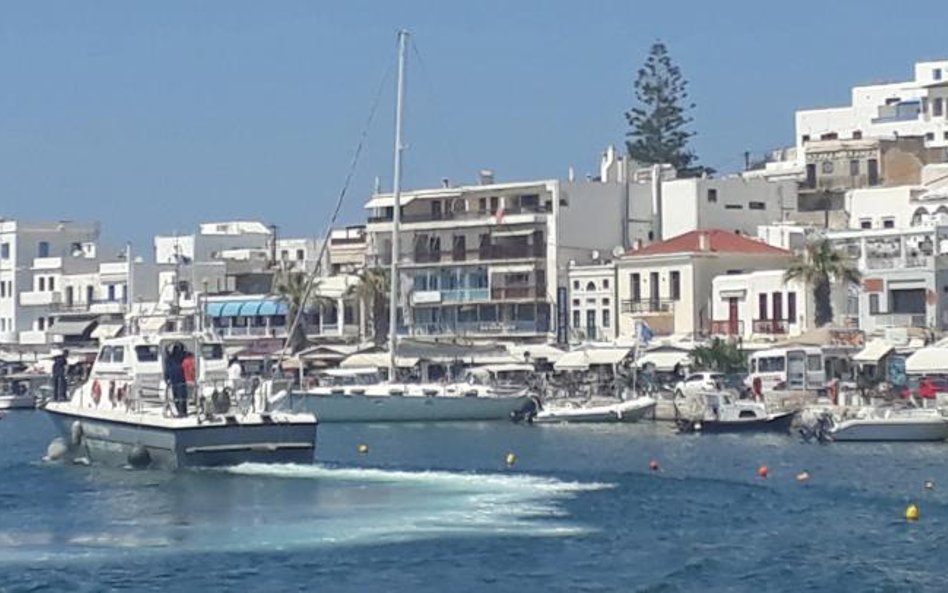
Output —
(773, 423)
(339, 407)
(613, 413)
(877, 429)
(17, 402)
(111, 441)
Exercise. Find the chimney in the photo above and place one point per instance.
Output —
(704, 242)
(445, 182)
(486, 176)
(657, 205)
(571, 175)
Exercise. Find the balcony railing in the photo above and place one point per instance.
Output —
(901, 320)
(465, 295)
(771, 327)
(648, 306)
(727, 327)
(446, 215)
(36, 297)
(488, 328)
(503, 293)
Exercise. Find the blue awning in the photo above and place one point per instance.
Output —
(272, 308)
(213, 309)
(250, 308)
(231, 309)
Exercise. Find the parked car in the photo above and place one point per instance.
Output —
(697, 382)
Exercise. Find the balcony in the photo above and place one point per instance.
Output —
(438, 216)
(485, 253)
(47, 263)
(727, 327)
(651, 306)
(482, 328)
(901, 320)
(771, 327)
(465, 295)
(40, 298)
(34, 337)
(8, 337)
(509, 293)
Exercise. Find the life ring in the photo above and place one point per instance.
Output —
(96, 392)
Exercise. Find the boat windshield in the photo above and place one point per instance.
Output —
(340, 380)
(147, 353)
(212, 351)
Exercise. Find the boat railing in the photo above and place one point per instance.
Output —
(204, 398)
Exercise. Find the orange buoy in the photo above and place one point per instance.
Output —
(762, 471)
(653, 465)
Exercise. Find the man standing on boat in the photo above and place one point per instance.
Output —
(59, 376)
(174, 377)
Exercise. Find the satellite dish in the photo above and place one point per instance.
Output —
(617, 251)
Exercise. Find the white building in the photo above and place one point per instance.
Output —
(33, 260)
(668, 285)
(760, 305)
(347, 249)
(487, 260)
(902, 206)
(912, 108)
(592, 297)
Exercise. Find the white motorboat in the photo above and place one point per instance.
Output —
(722, 412)
(123, 414)
(890, 424)
(595, 411)
(21, 390)
(359, 395)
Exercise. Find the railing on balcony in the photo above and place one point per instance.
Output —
(491, 328)
(727, 327)
(465, 295)
(447, 215)
(502, 293)
(771, 327)
(427, 257)
(648, 306)
(901, 320)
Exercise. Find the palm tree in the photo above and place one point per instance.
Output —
(718, 356)
(292, 287)
(819, 265)
(372, 292)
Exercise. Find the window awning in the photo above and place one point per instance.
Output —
(213, 309)
(153, 324)
(873, 352)
(254, 308)
(929, 360)
(377, 360)
(107, 330)
(272, 308)
(388, 201)
(231, 309)
(72, 327)
(250, 308)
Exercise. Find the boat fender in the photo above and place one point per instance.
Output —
(139, 457)
(96, 392)
(75, 434)
(56, 450)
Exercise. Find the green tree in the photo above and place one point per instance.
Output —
(372, 290)
(292, 288)
(719, 356)
(658, 122)
(818, 266)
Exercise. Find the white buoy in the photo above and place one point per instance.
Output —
(56, 450)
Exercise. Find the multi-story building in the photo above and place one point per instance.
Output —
(668, 285)
(485, 261)
(300, 255)
(347, 250)
(904, 277)
(760, 305)
(592, 302)
(34, 258)
(912, 108)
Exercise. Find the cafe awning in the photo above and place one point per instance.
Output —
(874, 351)
(579, 360)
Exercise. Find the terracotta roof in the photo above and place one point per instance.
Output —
(718, 242)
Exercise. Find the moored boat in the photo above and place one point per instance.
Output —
(890, 424)
(595, 411)
(720, 412)
(125, 413)
(20, 391)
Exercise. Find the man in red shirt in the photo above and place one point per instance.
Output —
(187, 367)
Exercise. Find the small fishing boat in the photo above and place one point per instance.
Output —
(124, 414)
(21, 390)
(720, 412)
(595, 411)
(890, 424)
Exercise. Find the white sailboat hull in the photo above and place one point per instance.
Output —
(628, 411)
(882, 429)
(13, 402)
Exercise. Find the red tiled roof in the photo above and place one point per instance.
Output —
(718, 242)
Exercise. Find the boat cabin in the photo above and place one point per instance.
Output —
(514, 375)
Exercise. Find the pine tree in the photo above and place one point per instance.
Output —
(658, 123)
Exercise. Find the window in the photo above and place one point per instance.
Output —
(930, 136)
(111, 292)
(41, 324)
(757, 205)
(3, 289)
(284, 255)
(212, 352)
(5, 251)
(826, 167)
(575, 318)
(41, 284)
(674, 288)
(42, 250)
(606, 320)
(590, 286)
(146, 353)
(857, 135)
(938, 107)
(777, 298)
(733, 206)
(482, 205)
(810, 176)
(605, 284)
(873, 304)
(118, 354)
(575, 284)
(90, 294)
(771, 364)
(300, 255)
(494, 204)
(936, 73)
(635, 281)
(829, 136)
(575, 302)
(805, 139)
(865, 223)
(872, 171)
(888, 223)
(853, 168)
(712, 195)
(605, 302)
(762, 306)
(792, 307)
(51, 284)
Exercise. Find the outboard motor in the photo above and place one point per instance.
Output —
(528, 412)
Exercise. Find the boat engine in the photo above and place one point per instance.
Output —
(817, 427)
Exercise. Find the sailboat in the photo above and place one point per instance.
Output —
(391, 400)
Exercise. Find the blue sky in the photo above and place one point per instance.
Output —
(151, 117)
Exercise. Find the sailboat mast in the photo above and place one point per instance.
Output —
(396, 207)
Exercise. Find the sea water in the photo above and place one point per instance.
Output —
(434, 507)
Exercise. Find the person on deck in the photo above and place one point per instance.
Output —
(175, 378)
